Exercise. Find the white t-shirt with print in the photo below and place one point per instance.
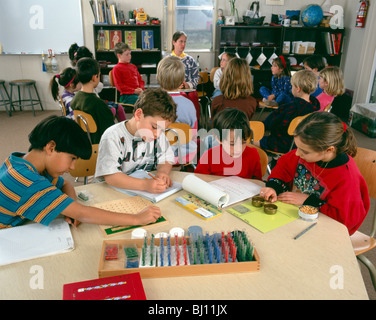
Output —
(120, 151)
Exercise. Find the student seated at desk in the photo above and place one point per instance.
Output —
(139, 143)
(232, 157)
(32, 187)
(321, 172)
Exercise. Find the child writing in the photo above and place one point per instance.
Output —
(332, 83)
(315, 63)
(170, 76)
(139, 144)
(126, 77)
(32, 186)
(87, 101)
(304, 82)
(69, 80)
(280, 92)
(232, 157)
(225, 57)
(322, 171)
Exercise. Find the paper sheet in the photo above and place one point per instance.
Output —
(34, 240)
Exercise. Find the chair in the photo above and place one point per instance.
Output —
(258, 131)
(86, 168)
(180, 134)
(203, 80)
(328, 108)
(263, 106)
(291, 129)
(263, 158)
(28, 84)
(62, 106)
(5, 99)
(212, 73)
(365, 159)
(127, 107)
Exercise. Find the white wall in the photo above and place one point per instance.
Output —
(20, 66)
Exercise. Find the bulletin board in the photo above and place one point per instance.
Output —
(33, 26)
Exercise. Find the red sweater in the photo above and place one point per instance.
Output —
(216, 162)
(127, 78)
(339, 190)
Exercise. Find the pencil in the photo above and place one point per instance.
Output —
(152, 176)
(305, 230)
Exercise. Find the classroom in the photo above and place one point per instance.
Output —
(203, 225)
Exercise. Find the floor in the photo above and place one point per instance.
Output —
(14, 137)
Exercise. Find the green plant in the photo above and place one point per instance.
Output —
(234, 9)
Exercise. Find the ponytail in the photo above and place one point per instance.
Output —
(65, 78)
(54, 87)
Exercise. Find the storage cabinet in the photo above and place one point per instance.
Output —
(267, 40)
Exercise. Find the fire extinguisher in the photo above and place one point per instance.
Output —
(362, 13)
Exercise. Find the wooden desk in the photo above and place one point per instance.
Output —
(289, 269)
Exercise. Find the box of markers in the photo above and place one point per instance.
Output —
(177, 256)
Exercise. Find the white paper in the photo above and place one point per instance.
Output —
(34, 240)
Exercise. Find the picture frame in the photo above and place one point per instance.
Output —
(275, 2)
(147, 39)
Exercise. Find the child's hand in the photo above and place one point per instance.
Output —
(269, 194)
(138, 91)
(148, 215)
(155, 185)
(164, 177)
(271, 97)
(296, 198)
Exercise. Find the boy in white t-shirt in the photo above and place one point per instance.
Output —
(139, 143)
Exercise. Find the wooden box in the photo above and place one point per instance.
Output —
(108, 268)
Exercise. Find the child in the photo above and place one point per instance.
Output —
(69, 80)
(322, 171)
(225, 57)
(170, 76)
(126, 77)
(304, 82)
(139, 143)
(32, 186)
(87, 101)
(281, 85)
(237, 88)
(332, 83)
(315, 63)
(232, 157)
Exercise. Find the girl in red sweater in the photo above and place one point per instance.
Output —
(321, 172)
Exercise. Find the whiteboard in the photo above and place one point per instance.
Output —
(33, 26)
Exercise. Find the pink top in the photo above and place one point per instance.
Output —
(324, 100)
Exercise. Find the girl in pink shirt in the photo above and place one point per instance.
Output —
(332, 84)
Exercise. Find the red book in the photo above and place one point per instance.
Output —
(123, 287)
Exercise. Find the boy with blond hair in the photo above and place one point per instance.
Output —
(139, 144)
(304, 83)
(126, 77)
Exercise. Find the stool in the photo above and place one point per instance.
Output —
(5, 100)
(28, 84)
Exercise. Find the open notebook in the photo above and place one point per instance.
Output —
(153, 197)
(34, 240)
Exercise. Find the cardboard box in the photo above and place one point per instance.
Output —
(364, 118)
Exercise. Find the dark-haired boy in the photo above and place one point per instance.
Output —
(139, 144)
(86, 100)
(31, 186)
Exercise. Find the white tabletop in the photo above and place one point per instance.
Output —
(319, 265)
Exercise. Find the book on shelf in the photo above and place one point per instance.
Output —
(207, 199)
(153, 197)
(131, 39)
(124, 287)
(105, 13)
(332, 42)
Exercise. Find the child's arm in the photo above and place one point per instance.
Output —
(123, 181)
(163, 173)
(94, 215)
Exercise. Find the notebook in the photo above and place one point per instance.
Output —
(153, 197)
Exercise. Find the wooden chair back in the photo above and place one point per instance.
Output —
(179, 134)
(86, 122)
(258, 130)
(86, 168)
(263, 158)
(294, 123)
(328, 107)
(204, 79)
(212, 72)
(62, 106)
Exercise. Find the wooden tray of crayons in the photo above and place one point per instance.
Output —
(179, 256)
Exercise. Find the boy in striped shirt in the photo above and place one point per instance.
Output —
(31, 186)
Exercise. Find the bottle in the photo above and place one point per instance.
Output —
(43, 62)
(49, 62)
(54, 64)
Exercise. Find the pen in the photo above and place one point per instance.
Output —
(305, 230)
(152, 176)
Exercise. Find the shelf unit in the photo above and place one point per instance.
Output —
(139, 56)
(255, 40)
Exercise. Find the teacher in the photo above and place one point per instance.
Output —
(192, 75)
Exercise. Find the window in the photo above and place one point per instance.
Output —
(195, 18)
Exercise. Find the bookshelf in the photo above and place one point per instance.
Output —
(145, 56)
(245, 39)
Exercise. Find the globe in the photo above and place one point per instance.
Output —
(312, 15)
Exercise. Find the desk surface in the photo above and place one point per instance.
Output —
(307, 268)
